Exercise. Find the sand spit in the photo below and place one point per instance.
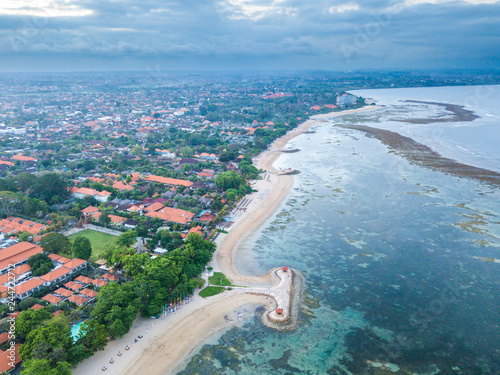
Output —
(459, 113)
(426, 157)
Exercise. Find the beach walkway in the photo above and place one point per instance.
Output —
(280, 293)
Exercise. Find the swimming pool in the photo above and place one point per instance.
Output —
(75, 331)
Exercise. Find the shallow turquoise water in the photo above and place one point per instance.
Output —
(387, 251)
(75, 330)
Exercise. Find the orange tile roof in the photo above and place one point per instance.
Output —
(90, 210)
(28, 285)
(117, 219)
(56, 274)
(22, 158)
(110, 277)
(121, 186)
(83, 279)
(73, 286)
(79, 300)
(54, 256)
(88, 292)
(37, 306)
(167, 180)
(23, 268)
(197, 229)
(4, 337)
(154, 207)
(73, 263)
(52, 298)
(99, 282)
(57, 313)
(18, 253)
(172, 214)
(7, 162)
(92, 192)
(5, 360)
(63, 260)
(63, 292)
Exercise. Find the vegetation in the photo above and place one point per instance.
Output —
(56, 243)
(40, 264)
(98, 241)
(81, 248)
(219, 279)
(211, 291)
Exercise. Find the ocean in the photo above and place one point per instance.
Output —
(387, 249)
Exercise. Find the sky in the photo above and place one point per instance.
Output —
(102, 35)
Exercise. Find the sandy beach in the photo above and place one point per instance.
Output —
(168, 344)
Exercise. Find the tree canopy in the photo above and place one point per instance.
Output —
(229, 180)
(56, 243)
(82, 248)
(40, 264)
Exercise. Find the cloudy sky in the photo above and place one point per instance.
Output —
(61, 35)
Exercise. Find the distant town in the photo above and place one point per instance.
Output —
(113, 187)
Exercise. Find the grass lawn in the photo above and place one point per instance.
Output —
(98, 240)
(219, 279)
(211, 291)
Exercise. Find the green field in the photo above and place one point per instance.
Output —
(211, 291)
(219, 279)
(98, 240)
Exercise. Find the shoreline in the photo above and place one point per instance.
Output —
(168, 346)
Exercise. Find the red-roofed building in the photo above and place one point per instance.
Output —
(57, 313)
(206, 217)
(110, 277)
(99, 282)
(172, 214)
(79, 300)
(56, 276)
(198, 230)
(54, 257)
(76, 264)
(121, 186)
(89, 293)
(29, 287)
(9, 359)
(154, 207)
(168, 181)
(37, 306)
(22, 158)
(71, 285)
(83, 280)
(17, 254)
(62, 260)
(89, 211)
(63, 292)
(80, 193)
(50, 298)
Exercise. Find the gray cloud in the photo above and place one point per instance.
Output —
(216, 34)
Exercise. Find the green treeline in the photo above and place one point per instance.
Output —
(152, 283)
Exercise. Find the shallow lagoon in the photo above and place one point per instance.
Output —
(387, 251)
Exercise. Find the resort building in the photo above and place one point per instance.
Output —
(172, 214)
(80, 193)
(29, 287)
(16, 255)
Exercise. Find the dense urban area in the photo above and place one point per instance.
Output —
(113, 187)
